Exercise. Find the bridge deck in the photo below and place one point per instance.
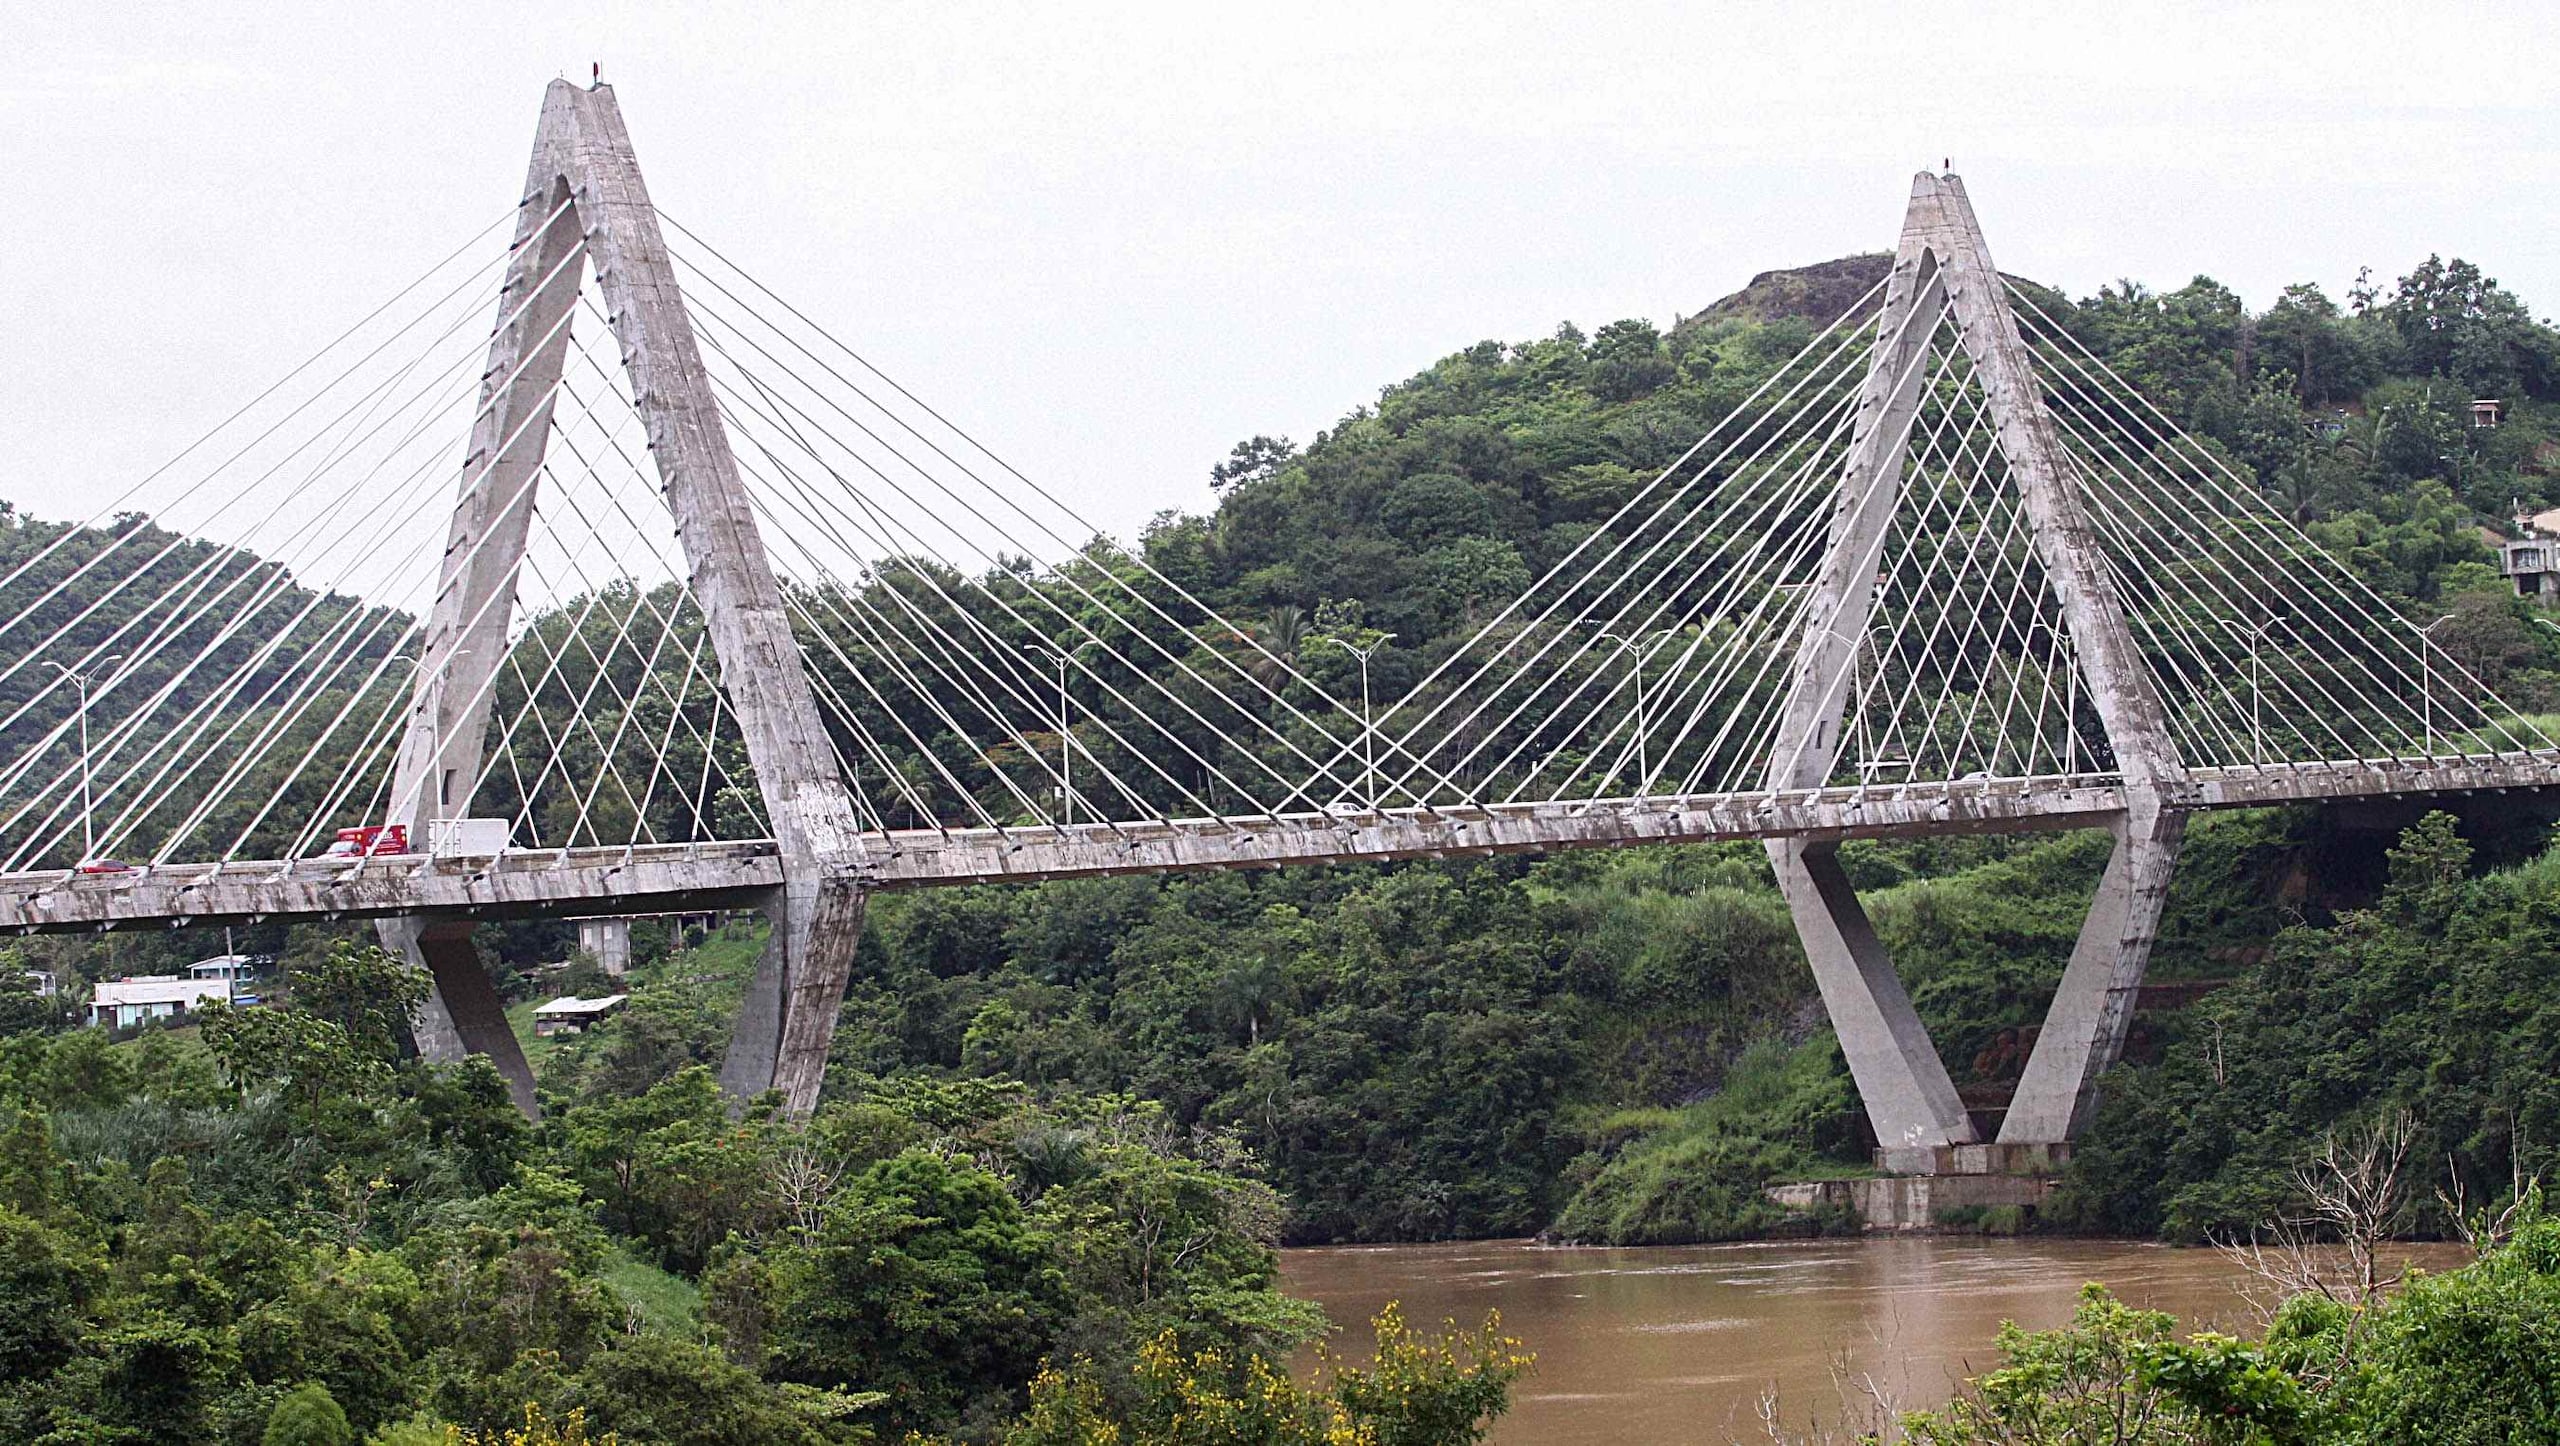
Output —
(670, 878)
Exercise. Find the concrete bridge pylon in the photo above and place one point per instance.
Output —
(585, 207)
(1943, 277)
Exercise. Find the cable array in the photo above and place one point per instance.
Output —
(967, 684)
(227, 675)
(1654, 660)
(2268, 649)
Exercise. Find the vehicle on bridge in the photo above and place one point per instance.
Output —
(375, 841)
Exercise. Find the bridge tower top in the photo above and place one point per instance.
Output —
(585, 206)
(1943, 276)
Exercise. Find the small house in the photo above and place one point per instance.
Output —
(569, 1014)
(2487, 411)
(229, 968)
(125, 1003)
(2534, 563)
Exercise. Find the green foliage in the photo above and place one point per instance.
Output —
(307, 1416)
(679, 1393)
(2119, 1375)
(1416, 1392)
(2466, 1358)
(47, 1280)
(924, 1281)
(2437, 1002)
(22, 1009)
(1699, 1173)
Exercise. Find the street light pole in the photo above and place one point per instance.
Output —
(2427, 681)
(2257, 708)
(1063, 657)
(1368, 725)
(88, 817)
(1636, 645)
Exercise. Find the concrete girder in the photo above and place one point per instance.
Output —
(686, 878)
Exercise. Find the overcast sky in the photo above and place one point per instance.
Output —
(1115, 240)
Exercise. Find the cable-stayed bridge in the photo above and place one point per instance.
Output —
(720, 615)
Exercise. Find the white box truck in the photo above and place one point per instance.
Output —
(468, 838)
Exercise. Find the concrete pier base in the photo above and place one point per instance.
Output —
(1956, 1204)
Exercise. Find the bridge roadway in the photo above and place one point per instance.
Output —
(665, 878)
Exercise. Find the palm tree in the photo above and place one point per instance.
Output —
(1280, 635)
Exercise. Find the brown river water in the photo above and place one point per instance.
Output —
(1682, 1343)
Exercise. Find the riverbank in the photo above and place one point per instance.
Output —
(1663, 1344)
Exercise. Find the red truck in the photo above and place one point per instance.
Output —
(370, 842)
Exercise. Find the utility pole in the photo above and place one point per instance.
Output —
(88, 815)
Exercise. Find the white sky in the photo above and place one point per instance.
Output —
(1114, 240)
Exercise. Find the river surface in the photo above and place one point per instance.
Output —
(1680, 1344)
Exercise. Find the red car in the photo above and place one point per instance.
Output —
(371, 842)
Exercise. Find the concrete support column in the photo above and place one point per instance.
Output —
(1910, 1099)
(2086, 1025)
(786, 1022)
(2084, 1028)
(608, 942)
(1943, 269)
(465, 1016)
(818, 911)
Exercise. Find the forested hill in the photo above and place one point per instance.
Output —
(1626, 1047)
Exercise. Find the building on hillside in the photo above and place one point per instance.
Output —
(2532, 558)
(569, 1014)
(124, 1003)
(43, 982)
(2487, 411)
(2534, 564)
(231, 968)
